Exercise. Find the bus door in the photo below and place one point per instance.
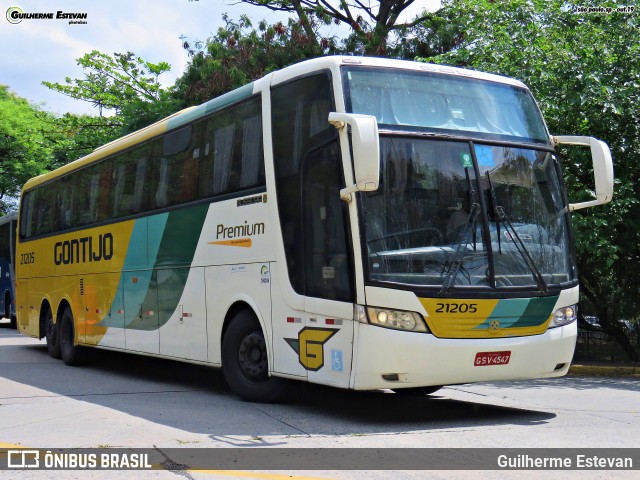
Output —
(329, 284)
(313, 219)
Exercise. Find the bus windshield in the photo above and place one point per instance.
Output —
(461, 210)
(434, 222)
(444, 104)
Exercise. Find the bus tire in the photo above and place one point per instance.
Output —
(52, 334)
(71, 353)
(245, 364)
(417, 391)
(7, 305)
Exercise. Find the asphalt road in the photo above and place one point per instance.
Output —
(127, 401)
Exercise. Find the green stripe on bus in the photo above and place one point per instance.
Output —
(521, 312)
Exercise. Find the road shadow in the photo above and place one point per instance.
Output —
(195, 398)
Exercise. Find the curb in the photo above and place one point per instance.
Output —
(605, 370)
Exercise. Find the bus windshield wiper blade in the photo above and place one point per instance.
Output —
(500, 215)
(456, 263)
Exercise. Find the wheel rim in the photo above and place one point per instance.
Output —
(252, 356)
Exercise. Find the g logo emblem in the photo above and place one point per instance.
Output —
(494, 325)
(310, 346)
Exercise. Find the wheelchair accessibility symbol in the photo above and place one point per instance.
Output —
(336, 360)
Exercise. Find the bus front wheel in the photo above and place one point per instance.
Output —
(70, 352)
(245, 364)
(52, 335)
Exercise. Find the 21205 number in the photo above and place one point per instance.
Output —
(27, 258)
(456, 307)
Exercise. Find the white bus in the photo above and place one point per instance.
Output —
(355, 222)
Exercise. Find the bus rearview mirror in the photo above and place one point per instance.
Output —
(365, 145)
(602, 168)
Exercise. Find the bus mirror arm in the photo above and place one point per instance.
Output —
(602, 168)
(365, 144)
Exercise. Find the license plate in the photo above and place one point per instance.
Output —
(484, 359)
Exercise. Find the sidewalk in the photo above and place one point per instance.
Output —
(600, 370)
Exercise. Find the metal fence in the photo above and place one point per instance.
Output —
(600, 347)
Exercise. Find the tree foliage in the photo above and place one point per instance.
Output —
(124, 83)
(239, 53)
(25, 146)
(374, 27)
(78, 135)
(584, 69)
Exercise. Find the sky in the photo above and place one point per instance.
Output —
(35, 50)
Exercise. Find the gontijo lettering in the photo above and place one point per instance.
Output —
(85, 249)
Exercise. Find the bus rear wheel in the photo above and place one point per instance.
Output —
(245, 364)
(71, 353)
(52, 335)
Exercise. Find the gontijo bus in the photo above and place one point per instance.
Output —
(362, 223)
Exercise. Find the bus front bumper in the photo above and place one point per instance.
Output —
(385, 358)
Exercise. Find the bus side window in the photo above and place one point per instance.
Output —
(45, 202)
(131, 173)
(252, 164)
(222, 154)
(177, 167)
(232, 156)
(26, 215)
(190, 172)
(65, 203)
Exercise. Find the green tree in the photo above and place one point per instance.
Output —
(584, 69)
(238, 54)
(124, 83)
(26, 149)
(374, 27)
(79, 135)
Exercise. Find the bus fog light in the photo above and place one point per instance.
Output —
(397, 319)
(564, 316)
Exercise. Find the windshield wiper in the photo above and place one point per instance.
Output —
(456, 263)
(501, 216)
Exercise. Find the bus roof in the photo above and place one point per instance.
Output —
(192, 113)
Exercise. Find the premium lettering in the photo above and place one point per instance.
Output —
(245, 230)
(83, 250)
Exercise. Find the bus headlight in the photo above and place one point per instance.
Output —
(564, 316)
(397, 319)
